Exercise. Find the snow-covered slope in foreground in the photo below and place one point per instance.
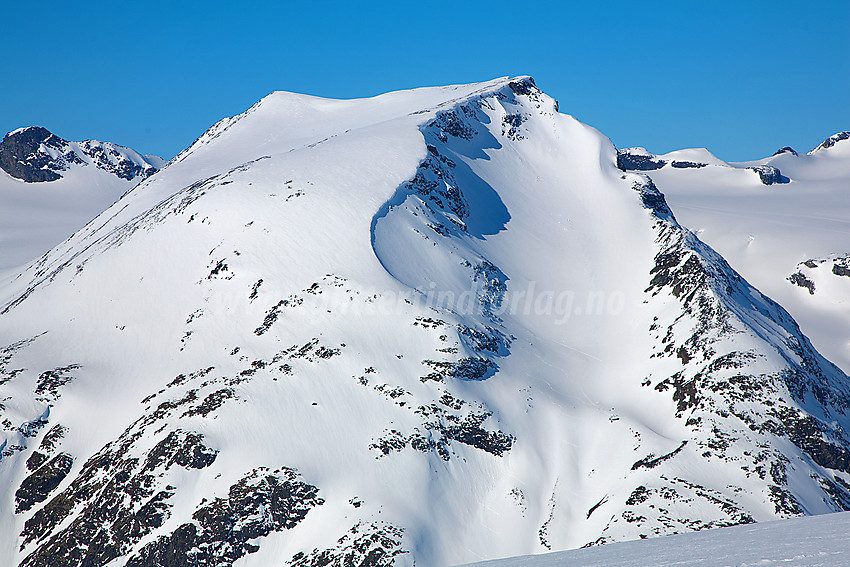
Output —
(819, 541)
(436, 326)
(791, 240)
(50, 188)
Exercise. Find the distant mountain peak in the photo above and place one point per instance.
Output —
(20, 156)
(832, 140)
(786, 150)
(33, 154)
(639, 159)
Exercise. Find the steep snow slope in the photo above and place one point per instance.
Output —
(437, 326)
(819, 541)
(789, 240)
(50, 187)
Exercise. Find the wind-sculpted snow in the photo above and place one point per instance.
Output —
(430, 227)
(436, 326)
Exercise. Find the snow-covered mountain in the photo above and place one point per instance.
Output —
(790, 240)
(434, 326)
(50, 187)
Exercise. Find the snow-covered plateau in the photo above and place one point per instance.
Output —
(432, 327)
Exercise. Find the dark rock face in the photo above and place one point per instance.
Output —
(20, 156)
(687, 164)
(635, 162)
(262, 502)
(181, 448)
(807, 434)
(441, 426)
(799, 279)
(769, 174)
(511, 124)
(38, 486)
(35, 155)
(651, 461)
(653, 199)
(374, 544)
(120, 499)
(840, 268)
(488, 339)
(47, 447)
(786, 150)
(524, 86)
(50, 381)
(472, 368)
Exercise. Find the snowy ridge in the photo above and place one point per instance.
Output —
(833, 141)
(435, 326)
(639, 159)
(789, 240)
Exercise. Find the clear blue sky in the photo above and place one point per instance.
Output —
(742, 78)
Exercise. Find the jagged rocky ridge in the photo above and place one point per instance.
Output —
(832, 140)
(404, 337)
(35, 155)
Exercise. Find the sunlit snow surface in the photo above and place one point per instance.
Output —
(819, 541)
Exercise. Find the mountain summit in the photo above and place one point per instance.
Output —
(434, 326)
